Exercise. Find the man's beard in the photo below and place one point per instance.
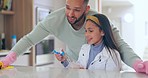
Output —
(77, 20)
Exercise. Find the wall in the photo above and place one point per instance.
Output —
(116, 15)
(58, 4)
(134, 32)
(140, 18)
(94, 4)
(51, 4)
(44, 3)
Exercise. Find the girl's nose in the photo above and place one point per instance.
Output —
(86, 34)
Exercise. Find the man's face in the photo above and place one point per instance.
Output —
(74, 10)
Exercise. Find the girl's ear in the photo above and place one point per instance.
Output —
(102, 33)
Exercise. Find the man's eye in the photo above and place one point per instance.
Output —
(77, 10)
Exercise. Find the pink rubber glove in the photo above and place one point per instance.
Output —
(9, 59)
(140, 66)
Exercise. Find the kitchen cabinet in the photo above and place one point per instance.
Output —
(21, 22)
(18, 21)
(6, 12)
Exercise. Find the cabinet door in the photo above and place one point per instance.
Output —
(21, 22)
(22, 60)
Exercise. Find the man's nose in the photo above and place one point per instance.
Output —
(71, 13)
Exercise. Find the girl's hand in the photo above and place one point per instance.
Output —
(60, 57)
(75, 65)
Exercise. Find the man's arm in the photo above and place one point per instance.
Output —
(41, 30)
(126, 52)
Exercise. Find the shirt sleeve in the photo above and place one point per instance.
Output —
(65, 63)
(126, 52)
(39, 32)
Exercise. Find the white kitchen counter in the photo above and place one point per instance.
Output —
(22, 60)
(5, 52)
(52, 72)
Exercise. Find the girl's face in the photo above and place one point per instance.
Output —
(92, 33)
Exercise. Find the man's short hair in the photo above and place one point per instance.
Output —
(86, 2)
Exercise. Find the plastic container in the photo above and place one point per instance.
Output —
(3, 41)
(14, 40)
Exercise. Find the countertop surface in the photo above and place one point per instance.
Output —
(5, 52)
(52, 72)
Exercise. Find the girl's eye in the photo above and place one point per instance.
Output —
(90, 30)
(67, 8)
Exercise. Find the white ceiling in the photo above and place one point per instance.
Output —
(115, 3)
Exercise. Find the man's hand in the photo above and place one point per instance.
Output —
(141, 67)
(1, 65)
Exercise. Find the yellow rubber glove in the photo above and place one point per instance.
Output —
(1, 65)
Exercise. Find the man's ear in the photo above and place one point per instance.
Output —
(87, 8)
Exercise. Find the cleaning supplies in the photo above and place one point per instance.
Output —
(14, 40)
(3, 45)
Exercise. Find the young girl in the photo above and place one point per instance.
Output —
(101, 52)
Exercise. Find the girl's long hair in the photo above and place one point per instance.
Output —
(108, 38)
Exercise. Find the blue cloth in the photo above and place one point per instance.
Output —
(94, 51)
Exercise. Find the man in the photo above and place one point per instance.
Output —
(67, 24)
